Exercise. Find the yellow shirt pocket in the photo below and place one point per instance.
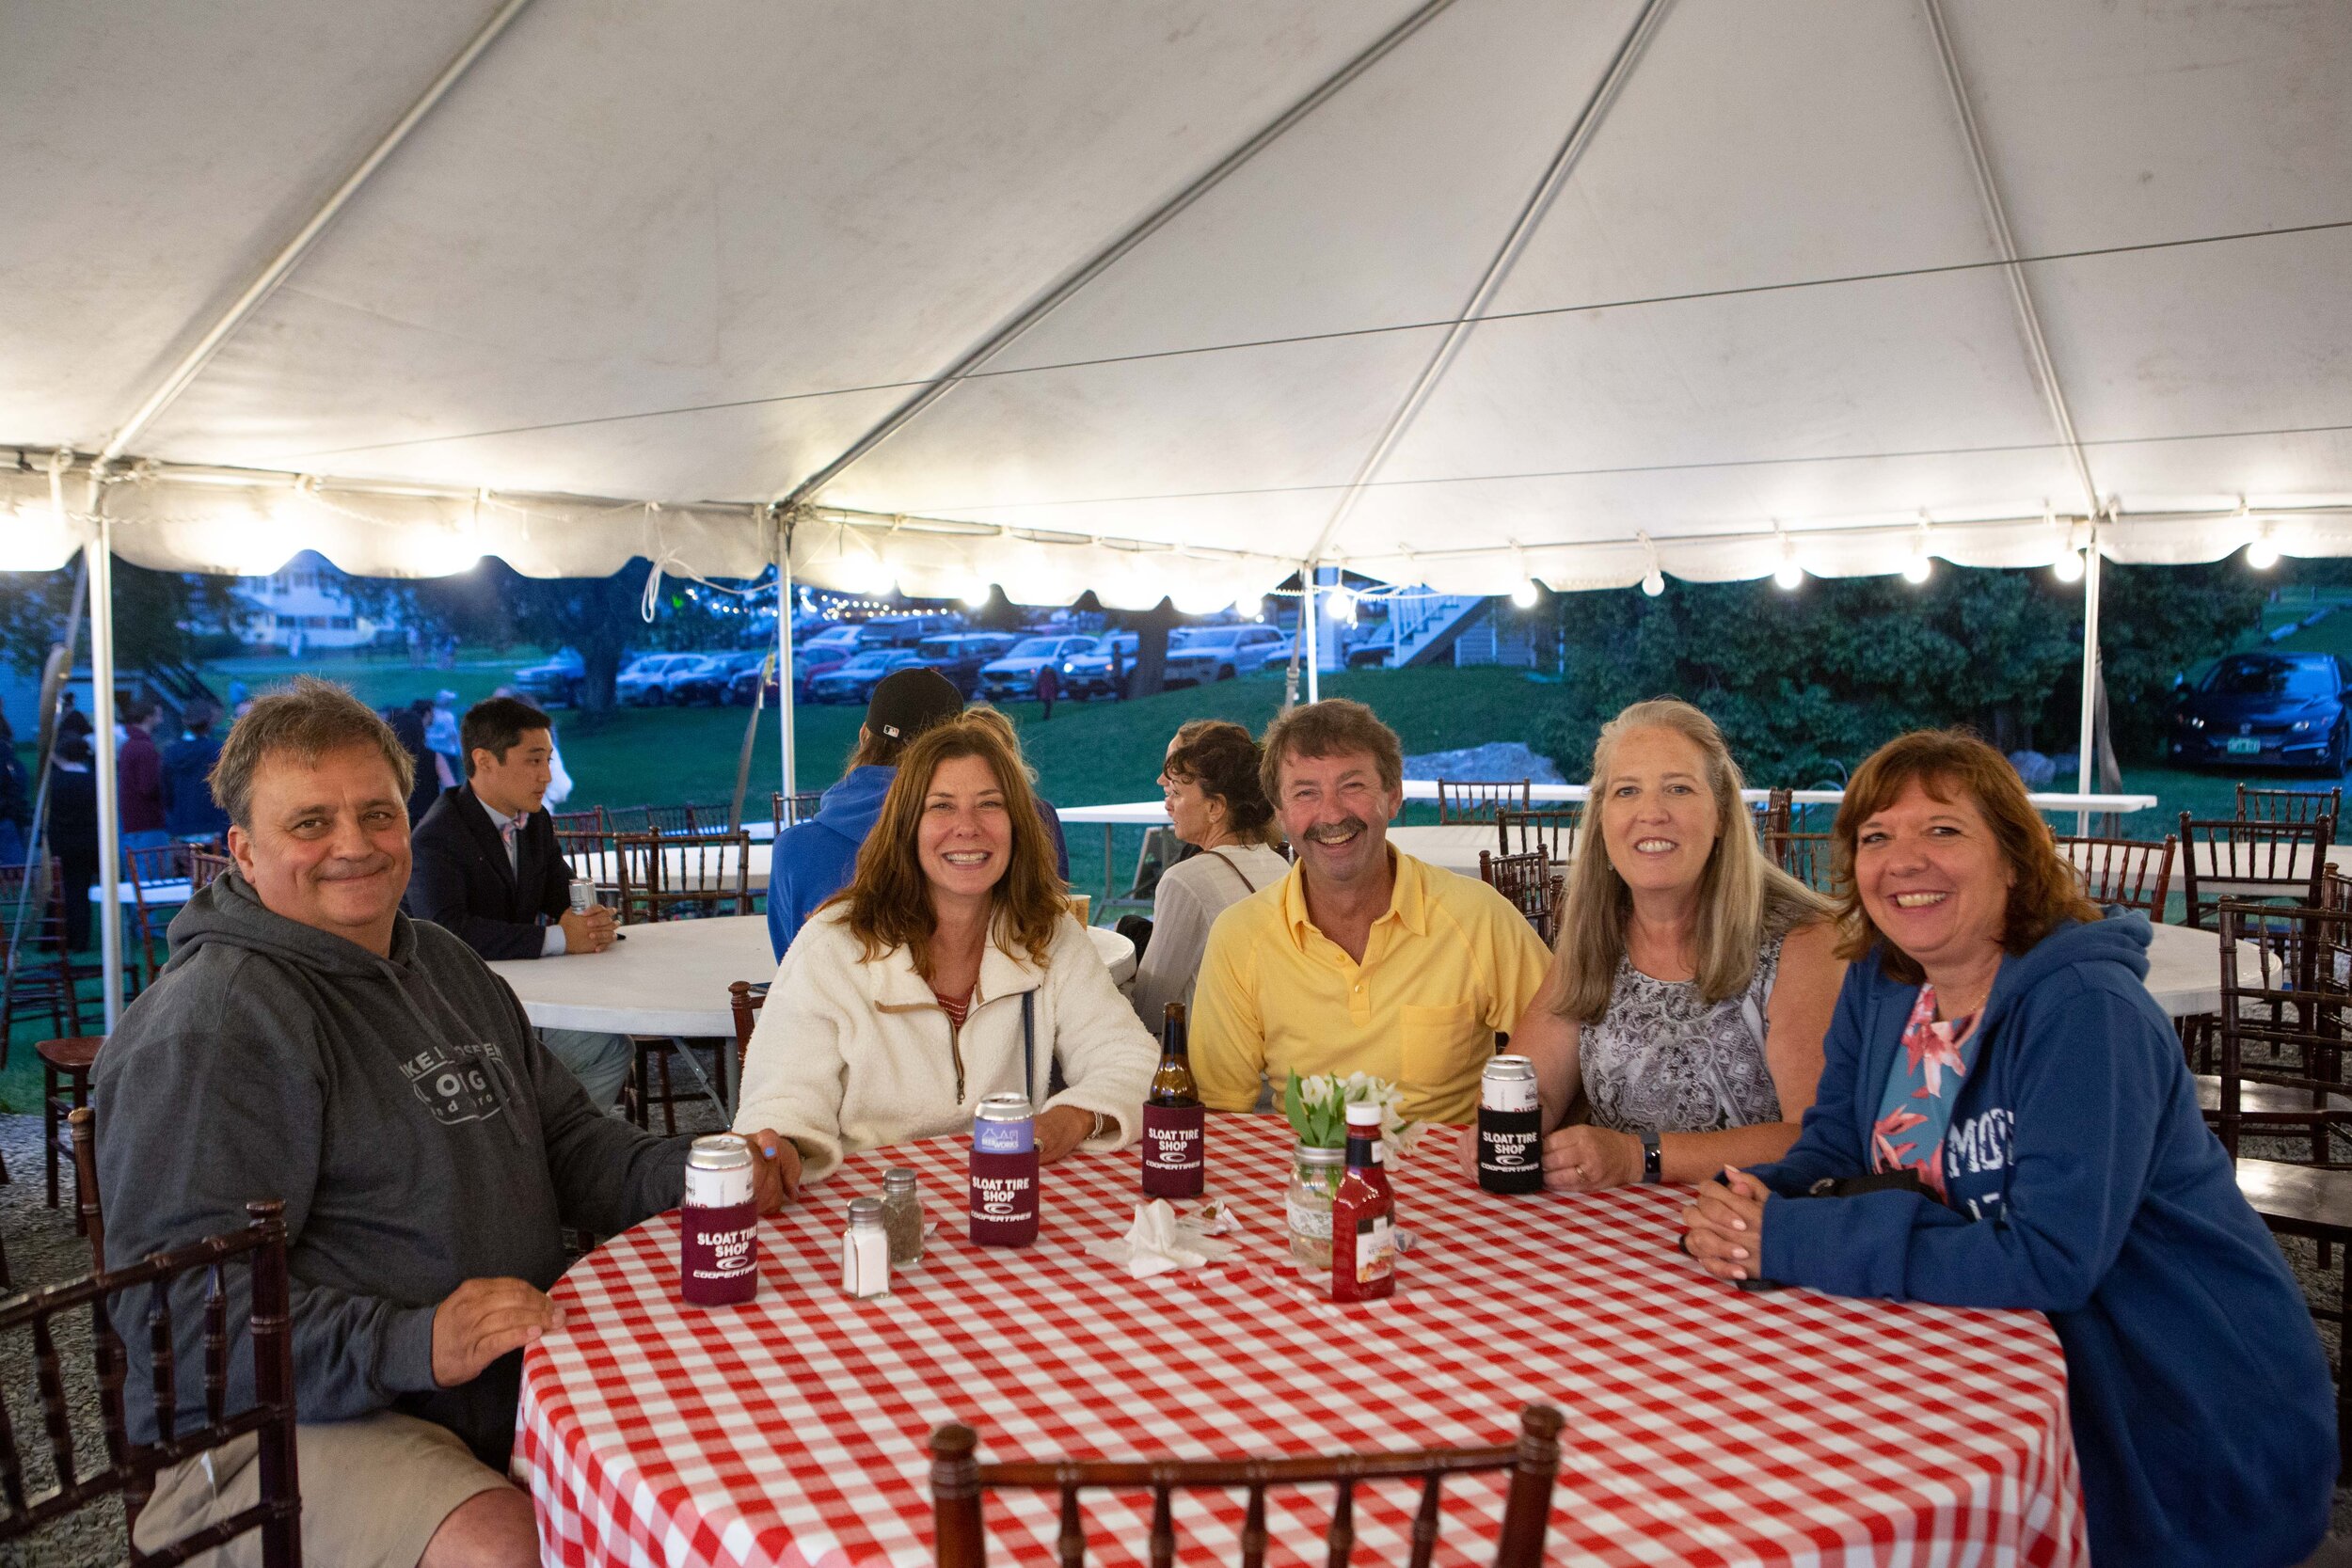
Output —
(1445, 1048)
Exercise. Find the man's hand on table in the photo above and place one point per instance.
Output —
(1060, 1131)
(481, 1321)
(775, 1169)
(588, 933)
(1727, 1226)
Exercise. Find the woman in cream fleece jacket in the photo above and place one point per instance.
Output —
(902, 1003)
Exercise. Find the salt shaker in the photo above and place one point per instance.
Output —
(865, 1251)
(903, 1217)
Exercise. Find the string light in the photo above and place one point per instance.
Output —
(2262, 554)
(1653, 581)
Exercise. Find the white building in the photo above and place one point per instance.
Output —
(303, 606)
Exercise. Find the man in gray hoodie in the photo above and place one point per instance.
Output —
(309, 1042)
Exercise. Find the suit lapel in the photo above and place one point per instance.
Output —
(485, 832)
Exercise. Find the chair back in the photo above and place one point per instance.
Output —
(1810, 858)
(146, 870)
(1478, 800)
(204, 867)
(2289, 806)
(40, 972)
(958, 1479)
(1529, 884)
(1771, 814)
(2247, 860)
(589, 821)
(745, 999)
(1552, 830)
(128, 1469)
(2285, 995)
(788, 811)
(669, 877)
(2136, 873)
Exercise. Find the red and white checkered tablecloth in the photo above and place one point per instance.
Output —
(1704, 1426)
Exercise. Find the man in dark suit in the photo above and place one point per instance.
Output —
(487, 870)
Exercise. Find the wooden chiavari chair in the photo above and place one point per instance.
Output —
(1478, 800)
(958, 1479)
(1552, 830)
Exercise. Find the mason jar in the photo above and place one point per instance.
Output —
(1315, 1176)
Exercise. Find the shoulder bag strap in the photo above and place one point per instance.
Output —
(1234, 867)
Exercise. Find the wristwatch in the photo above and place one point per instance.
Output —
(1650, 1154)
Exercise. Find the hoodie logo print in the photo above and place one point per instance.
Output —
(454, 1088)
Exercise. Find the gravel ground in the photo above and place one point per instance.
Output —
(43, 1248)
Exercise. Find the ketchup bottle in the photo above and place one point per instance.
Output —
(1363, 1216)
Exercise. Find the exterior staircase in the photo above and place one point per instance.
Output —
(1422, 629)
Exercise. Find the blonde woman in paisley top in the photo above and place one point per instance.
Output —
(1693, 979)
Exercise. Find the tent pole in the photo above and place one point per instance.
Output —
(783, 653)
(1102, 260)
(102, 668)
(1306, 613)
(295, 250)
(2090, 676)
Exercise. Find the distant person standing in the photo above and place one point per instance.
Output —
(16, 799)
(407, 724)
(1048, 688)
(74, 831)
(442, 737)
(190, 814)
(139, 779)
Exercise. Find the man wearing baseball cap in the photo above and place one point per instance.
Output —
(812, 860)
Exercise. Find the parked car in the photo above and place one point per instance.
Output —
(1218, 652)
(961, 656)
(2285, 710)
(705, 680)
(646, 682)
(854, 680)
(1278, 653)
(1096, 672)
(561, 681)
(1015, 673)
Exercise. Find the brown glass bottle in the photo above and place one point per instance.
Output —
(1175, 1160)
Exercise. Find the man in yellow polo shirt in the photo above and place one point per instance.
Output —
(1362, 960)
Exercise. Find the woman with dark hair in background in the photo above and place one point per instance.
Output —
(1219, 808)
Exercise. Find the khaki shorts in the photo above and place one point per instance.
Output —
(373, 1491)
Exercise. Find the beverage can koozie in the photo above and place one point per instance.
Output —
(1175, 1160)
(718, 1254)
(1004, 1197)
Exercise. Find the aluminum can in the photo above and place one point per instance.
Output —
(1510, 1126)
(1003, 1172)
(718, 1226)
(583, 894)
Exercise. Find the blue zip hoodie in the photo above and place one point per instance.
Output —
(2085, 1185)
(813, 860)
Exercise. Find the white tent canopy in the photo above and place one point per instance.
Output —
(693, 254)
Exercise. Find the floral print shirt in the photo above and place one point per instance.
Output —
(1915, 1112)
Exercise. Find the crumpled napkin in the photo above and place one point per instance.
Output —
(1160, 1242)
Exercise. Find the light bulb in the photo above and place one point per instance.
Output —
(1654, 583)
(975, 594)
(1790, 574)
(1343, 604)
(2262, 554)
(1524, 594)
(1918, 568)
(2068, 567)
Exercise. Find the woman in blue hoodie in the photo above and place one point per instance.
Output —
(1997, 1063)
